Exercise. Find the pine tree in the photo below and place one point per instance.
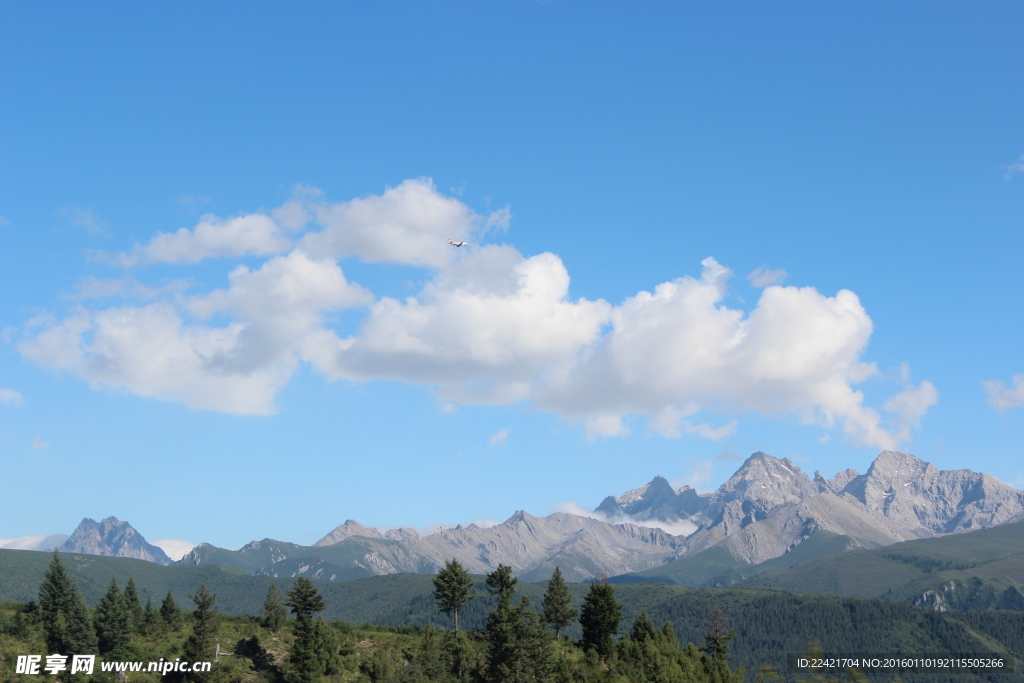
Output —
(600, 616)
(643, 629)
(304, 598)
(502, 632)
(557, 605)
(199, 646)
(274, 611)
(150, 617)
(131, 598)
(170, 613)
(453, 588)
(303, 666)
(716, 650)
(315, 650)
(64, 615)
(113, 622)
(55, 601)
(534, 651)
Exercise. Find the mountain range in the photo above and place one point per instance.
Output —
(769, 510)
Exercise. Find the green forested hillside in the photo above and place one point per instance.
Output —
(768, 623)
(989, 564)
(974, 571)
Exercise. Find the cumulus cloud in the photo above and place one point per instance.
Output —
(85, 218)
(764, 276)
(491, 326)
(253, 234)
(408, 224)
(481, 331)
(11, 398)
(680, 349)
(168, 352)
(38, 444)
(499, 437)
(1002, 397)
(175, 549)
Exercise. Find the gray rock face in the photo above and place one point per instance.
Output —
(582, 546)
(350, 528)
(765, 510)
(654, 500)
(769, 506)
(112, 538)
(917, 496)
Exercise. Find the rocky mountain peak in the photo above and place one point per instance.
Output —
(916, 495)
(350, 528)
(111, 537)
(519, 517)
(896, 467)
(762, 472)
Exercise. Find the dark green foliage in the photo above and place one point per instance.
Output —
(150, 619)
(432, 660)
(113, 622)
(274, 611)
(304, 598)
(600, 616)
(643, 629)
(517, 642)
(500, 582)
(169, 613)
(653, 655)
(64, 615)
(501, 632)
(557, 605)
(716, 648)
(199, 645)
(134, 605)
(453, 588)
(315, 652)
(534, 657)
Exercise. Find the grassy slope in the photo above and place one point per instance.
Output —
(907, 569)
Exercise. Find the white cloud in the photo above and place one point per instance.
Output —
(174, 549)
(680, 528)
(1002, 397)
(41, 542)
(679, 348)
(408, 224)
(499, 437)
(252, 234)
(158, 350)
(4, 222)
(491, 326)
(85, 218)
(764, 276)
(482, 330)
(38, 444)
(11, 398)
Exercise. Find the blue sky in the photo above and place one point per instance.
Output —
(229, 309)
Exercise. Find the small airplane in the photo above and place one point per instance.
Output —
(457, 244)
